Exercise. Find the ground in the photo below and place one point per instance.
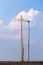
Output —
(20, 63)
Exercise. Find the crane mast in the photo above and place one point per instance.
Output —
(22, 47)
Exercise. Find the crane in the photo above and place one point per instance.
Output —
(21, 33)
(22, 47)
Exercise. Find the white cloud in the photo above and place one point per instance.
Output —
(34, 16)
(13, 25)
(1, 22)
(31, 15)
(2, 26)
(10, 36)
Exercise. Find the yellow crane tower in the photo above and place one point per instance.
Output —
(22, 47)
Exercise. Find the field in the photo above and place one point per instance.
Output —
(20, 63)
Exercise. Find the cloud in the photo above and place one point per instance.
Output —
(1, 22)
(13, 25)
(13, 36)
(10, 36)
(34, 16)
(2, 26)
(31, 15)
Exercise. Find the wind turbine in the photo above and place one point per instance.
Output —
(21, 32)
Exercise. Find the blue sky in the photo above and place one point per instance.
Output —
(10, 48)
